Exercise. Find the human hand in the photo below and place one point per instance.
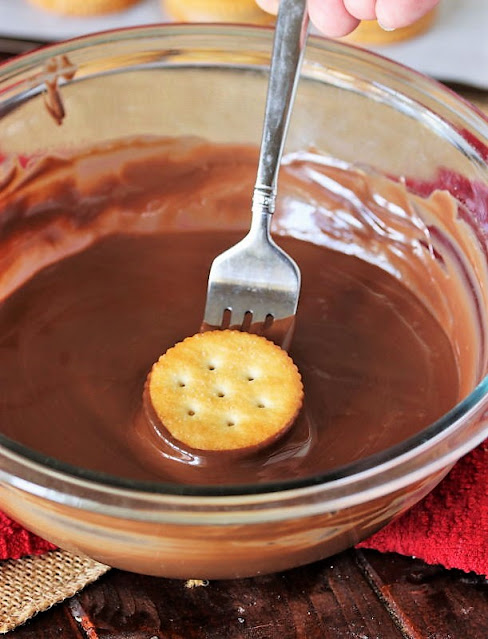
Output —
(336, 18)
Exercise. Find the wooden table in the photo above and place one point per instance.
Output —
(354, 595)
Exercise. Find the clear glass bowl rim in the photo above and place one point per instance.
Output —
(371, 477)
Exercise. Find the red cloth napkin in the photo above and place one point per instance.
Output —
(16, 542)
(450, 526)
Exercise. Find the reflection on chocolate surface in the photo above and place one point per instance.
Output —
(386, 339)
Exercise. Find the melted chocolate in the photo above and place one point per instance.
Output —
(79, 339)
(137, 233)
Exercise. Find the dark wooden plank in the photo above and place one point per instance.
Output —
(56, 623)
(327, 599)
(428, 601)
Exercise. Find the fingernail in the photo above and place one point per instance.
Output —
(385, 28)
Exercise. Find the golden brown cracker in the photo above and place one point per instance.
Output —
(245, 11)
(83, 7)
(225, 391)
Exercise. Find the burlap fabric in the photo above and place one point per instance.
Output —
(33, 584)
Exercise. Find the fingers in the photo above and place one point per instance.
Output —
(331, 17)
(271, 6)
(336, 18)
(393, 15)
(361, 9)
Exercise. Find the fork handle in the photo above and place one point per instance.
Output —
(288, 49)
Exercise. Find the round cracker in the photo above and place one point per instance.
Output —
(217, 11)
(225, 391)
(84, 7)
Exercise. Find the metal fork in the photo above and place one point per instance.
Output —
(254, 285)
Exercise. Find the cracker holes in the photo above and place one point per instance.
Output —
(230, 423)
(211, 366)
(220, 393)
(261, 405)
(190, 412)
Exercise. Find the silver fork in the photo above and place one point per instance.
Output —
(254, 285)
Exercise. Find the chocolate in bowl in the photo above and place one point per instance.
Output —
(99, 192)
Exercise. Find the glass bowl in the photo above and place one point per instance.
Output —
(210, 81)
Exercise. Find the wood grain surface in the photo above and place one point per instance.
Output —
(354, 595)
